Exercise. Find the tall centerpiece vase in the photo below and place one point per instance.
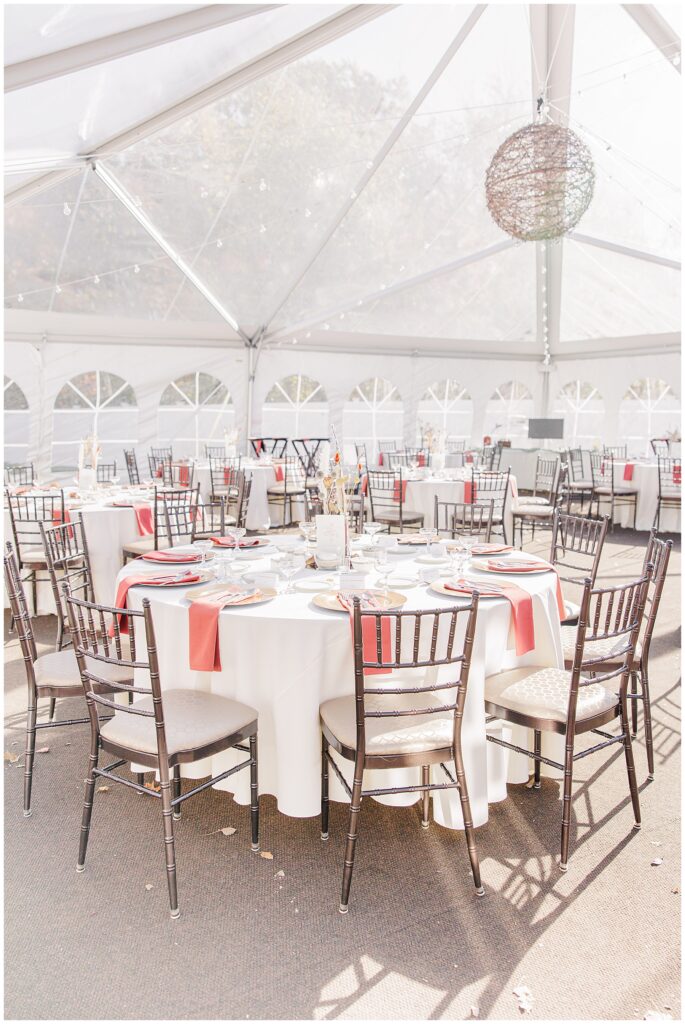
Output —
(332, 528)
(89, 451)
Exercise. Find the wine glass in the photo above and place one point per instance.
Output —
(290, 566)
(307, 530)
(237, 533)
(204, 547)
(371, 529)
(383, 568)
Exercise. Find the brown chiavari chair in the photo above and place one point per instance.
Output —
(222, 474)
(579, 486)
(384, 450)
(399, 460)
(537, 510)
(174, 513)
(657, 555)
(616, 451)
(161, 729)
(424, 652)
(606, 489)
(491, 485)
(178, 474)
(577, 544)
(156, 464)
(66, 552)
(361, 455)
(162, 453)
(455, 446)
(17, 475)
(211, 520)
(386, 491)
(27, 512)
(660, 446)
(48, 676)
(670, 475)
(132, 467)
(292, 488)
(571, 703)
(274, 446)
(308, 451)
(215, 451)
(461, 519)
(105, 472)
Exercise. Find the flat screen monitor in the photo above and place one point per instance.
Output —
(547, 428)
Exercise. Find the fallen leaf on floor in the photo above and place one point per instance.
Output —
(43, 750)
(474, 1011)
(9, 756)
(657, 861)
(525, 998)
(280, 874)
(149, 885)
(154, 786)
(266, 855)
(103, 789)
(656, 842)
(229, 831)
(675, 891)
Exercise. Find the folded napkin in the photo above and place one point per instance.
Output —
(172, 556)
(521, 608)
(396, 491)
(369, 646)
(421, 459)
(184, 475)
(468, 457)
(469, 492)
(58, 521)
(628, 471)
(364, 483)
(676, 475)
(143, 514)
(203, 627)
(146, 581)
(279, 473)
(526, 565)
(229, 542)
(490, 549)
(414, 540)
(380, 458)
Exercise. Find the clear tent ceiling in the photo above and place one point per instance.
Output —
(299, 203)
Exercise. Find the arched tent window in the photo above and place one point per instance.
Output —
(446, 406)
(193, 410)
(374, 412)
(582, 408)
(296, 406)
(99, 404)
(16, 422)
(508, 411)
(649, 408)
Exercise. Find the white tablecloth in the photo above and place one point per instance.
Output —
(421, 498)
(286, 657)
(259, 511)
(646, 482)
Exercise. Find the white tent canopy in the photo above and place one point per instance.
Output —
(270, 188)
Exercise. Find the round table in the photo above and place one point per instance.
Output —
(259, 512)
(645, 481)
(421, 496)
(285, 657)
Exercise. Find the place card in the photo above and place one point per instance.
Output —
(351, 580)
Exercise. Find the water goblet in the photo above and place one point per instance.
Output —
(291, 565)
(383, 568)
(372, 529)
(204, 547)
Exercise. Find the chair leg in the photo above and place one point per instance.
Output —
(355, 807)
(633, 702)
(60, 634)
(88, 804)
(324, 788)
(34, 592)
(53, 705)
(647, 712)
(169, 848)
(254, 793)
(176, 790)
(630, 764)
(566, 805)
(537, 736)
(29, 753)
(425, 796)
(468, 823)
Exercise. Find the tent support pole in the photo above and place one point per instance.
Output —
(624, 250)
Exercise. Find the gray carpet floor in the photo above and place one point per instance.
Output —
(262, 938)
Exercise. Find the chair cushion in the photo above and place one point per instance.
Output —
(280, 488)
(192, 718)
(407, 517)
(32, 556)
(531, 499)
(145, 544)
(542, 692)
(580, 485)
(408, 734)
(541, 511)
(60, 668)
(594, 648)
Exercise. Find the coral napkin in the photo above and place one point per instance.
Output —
(57, 519)
(469, 492)
(143, 514)
(229, 542)
(676, 475)
(172, 556)
(628, 471)
(380, 458)
(203, 627)
(521, 609)
(525, 566)
(279, 473)
(184, 475)
(147, 581)
(369, 646)
(396, 491)
(421, 459)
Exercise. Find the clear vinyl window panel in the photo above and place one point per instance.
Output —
(194, 410)
(93, 404)
(649, 409)
(295, 406)
(508, 411)
(581, 406)
(445, 407)
(17, 423)
(374, 412)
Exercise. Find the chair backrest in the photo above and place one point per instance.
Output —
(308, 450)
(66, 552)
(660, 445)
(362, 458)
(294, 475)
(209, 519)
(27, 512)
(386, 494)
(175, 513)
(619, 451)
(178, 474)
(132, 466)
(398, 460)
(546, 476)
(20, 612)
(238, 496)
(162, 453)
(455, 446)
(105, 472)
(658, 555)
(100, 634)
(576, 464)
(20, 475)
(275, 446)
(490, 485)
(669, 478)
(602, 470)
(606, 614)
(215, 451)
(427, 641)
(577, 544)
(221, 470)
(463, 519)
(157, 464)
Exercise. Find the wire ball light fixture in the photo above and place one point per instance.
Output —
(540, 182)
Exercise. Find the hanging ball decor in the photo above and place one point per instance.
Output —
(540, 182)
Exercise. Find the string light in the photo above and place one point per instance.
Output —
(307, 212)
(262, 185)
(262, 228)
(66, 209)
(136, 269)
(96, 279)
(20, 298)
(219, 243)
(58, 290)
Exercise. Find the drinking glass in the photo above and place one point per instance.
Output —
(383, 568)
(290, 566)
(204, 547)
(371, 529)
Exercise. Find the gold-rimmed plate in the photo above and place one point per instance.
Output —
(261, 595)
(439, 587)
(203, 575)
(388, 602)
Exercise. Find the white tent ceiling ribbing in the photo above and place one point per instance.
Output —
(308, 172)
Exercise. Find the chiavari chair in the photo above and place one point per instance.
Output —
(576, 550)
(132, 467)
(20, 475)
(616, 451)
(422, 456)
(361, 455)
(27, 512)
(669, 496)
(161, 730)
(274, 446)
(210, 520)
(292, 488)
(48, 676)
(490, 485)
(173, 516)
(428, 654)
(579, 487)
(215, 451)
(455, 446)
(578, 701)
(386, 492)
(178, 474)
(384, 450)
(105, 472)
(605, 488)
(221, 474)
(66, 552)
(660, 446)
(463, 519)
(537, 509)
(657, 555)
(399, 460)
(308, 451)
(162, 453)
(156, 465)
